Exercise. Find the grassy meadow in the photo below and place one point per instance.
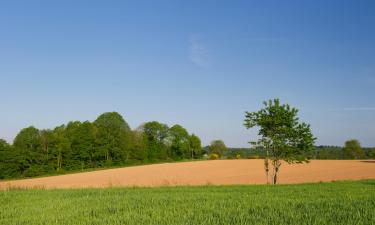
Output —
(322, 203)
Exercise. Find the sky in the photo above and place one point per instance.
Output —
(200, 64)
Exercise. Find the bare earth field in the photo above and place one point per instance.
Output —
(219, 172)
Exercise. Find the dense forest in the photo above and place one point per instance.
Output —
(108, 141)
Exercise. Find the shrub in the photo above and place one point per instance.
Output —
(213, 156)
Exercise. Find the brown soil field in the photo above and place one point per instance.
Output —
(215, 172)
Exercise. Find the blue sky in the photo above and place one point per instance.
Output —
(201, 64)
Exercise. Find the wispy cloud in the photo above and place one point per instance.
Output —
(199, 53)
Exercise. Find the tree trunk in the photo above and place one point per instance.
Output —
(276, 166)
(266, 168)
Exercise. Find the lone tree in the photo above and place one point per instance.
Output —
(353, 149)
(282, 136)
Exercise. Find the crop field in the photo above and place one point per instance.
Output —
(212, 172)
(350, 202)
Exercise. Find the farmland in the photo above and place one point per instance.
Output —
(321, 203)
(212, 172)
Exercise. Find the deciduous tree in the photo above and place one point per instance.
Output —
(156, 137)
(282, 136)
(112, 132)
(179, 142)
(353, 149)
(195, 146)
(217, 147)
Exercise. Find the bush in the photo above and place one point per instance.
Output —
(238, 156)
(213, 156)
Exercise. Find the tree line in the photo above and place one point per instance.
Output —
(108, 141)
(348, 151)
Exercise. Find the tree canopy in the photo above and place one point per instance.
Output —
(282, 136)
(218, 147)
(353, 149)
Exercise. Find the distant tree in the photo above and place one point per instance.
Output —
(61, 150)
(9, 161)
(353, 149)
(156, 137)
(82, 137)
(179, 142)
(283, 137)
(28, 144)
(138, 145)
(112, 137)
(46, 136)
(28, 139)
(195, 146)
(328, 152)
(218, 147)
(371, 153)
(112, 120)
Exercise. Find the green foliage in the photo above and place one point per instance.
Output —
(111, 138)
(156, 137)
(10, 163)
(108, 141)
(218, 147)
(138, 146)
(112, 120)
(283, 137)
(328, 152)
(353, 149)
(195, 146)
(28, 145)
(179, 142)
(324, 203)
(371, 153)
(319, 152)
(213, 156)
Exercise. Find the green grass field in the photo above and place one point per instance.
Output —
(323, 203)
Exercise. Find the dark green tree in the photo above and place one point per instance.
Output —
(218, 147)
(282, 136)
(195, 146)
(156, 137)
(353, 150)
(179, 142)
(10, 161)
(45, 137)
(371, 153)
(82, 144)
(112, 137)
(138, 145)
(61, 148)
(28, 144)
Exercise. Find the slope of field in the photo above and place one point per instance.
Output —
(321, 203)
(219, 172)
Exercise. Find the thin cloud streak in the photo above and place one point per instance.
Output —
(199, 54)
